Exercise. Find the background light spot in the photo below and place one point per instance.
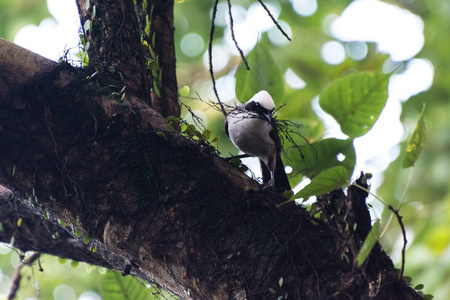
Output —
(258, 17)
(192, 44)
(304, 8)
(333, 53)
(220, 57)
(396, 31)
(417, 77)
(64, 292)
(356, 50)
(293, 80)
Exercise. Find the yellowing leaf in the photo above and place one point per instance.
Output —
(417, 142)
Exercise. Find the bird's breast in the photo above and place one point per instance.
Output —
(250, 134)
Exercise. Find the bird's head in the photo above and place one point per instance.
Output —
(262, 104)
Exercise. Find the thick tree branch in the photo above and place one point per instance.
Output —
(15, 74)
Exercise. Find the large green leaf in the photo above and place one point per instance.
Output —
(264, 74)
(356, 101)
(325, 182)
(368, 244)
(114, 286)
(322, 155)
(417, 142)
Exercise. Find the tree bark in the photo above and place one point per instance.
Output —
(152, 202)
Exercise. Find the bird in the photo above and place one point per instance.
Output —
(252, 130)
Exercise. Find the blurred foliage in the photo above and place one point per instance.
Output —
(16, 14)
(426, 206)
(114, 286)
(59, 277)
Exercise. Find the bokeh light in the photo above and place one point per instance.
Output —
(304, 8)
(396, 31)
(192, 44)
(333, 52)
(293, 80)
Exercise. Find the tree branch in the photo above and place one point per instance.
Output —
(15, 280)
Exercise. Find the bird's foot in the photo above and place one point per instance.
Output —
(269, 184)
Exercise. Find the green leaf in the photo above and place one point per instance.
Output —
(162, 134)
(170, 127)
(190, 130)
(172, 120)
(157, 89)
(368, 244)
(114, 286)
(147, 26)
(417, 142)
(86, 240)
(356, 101)
(419, 287)
(326, 181)
(322, 155)
(264, 74)
(216, 139)
(236, 162)
(74, 264)
(206, 134)
(62, 223)
(288, 194)
(407, 279)
(62, 260)
(184, 91)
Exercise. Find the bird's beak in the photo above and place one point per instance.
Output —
(268, 116)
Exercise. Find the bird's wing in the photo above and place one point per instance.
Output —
(226, 127)
(275, 136)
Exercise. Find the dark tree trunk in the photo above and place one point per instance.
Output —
(151, 200)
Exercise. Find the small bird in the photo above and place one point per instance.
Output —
(253, 131)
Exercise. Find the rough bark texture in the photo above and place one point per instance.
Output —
(151, 200)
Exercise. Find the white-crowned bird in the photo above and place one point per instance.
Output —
(253, 131)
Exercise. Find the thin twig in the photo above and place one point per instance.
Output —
(400, 202)
(241, 53)
(399, 219)
(274, 20)
(211, 71)
(15, 279)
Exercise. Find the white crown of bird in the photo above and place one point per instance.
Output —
(263, 98)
